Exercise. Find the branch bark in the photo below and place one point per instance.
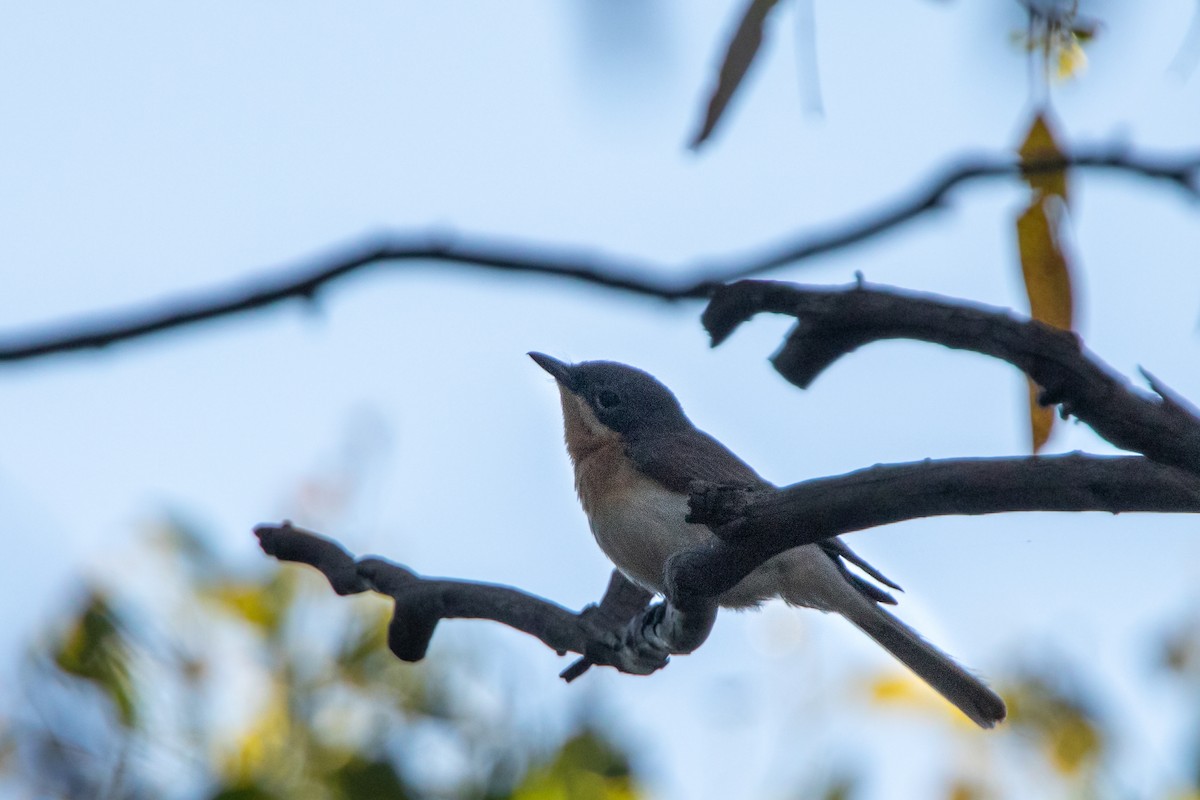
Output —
(753, 527)
(620, 632)
(834, 322)
(623, 633)
(631, 276)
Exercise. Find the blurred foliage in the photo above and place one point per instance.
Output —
(1060, 731)
(220, 687)
(1056, 35)
(1048, 711)
(94, 648)
(588, 767)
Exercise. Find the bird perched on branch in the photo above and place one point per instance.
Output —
(636, 453)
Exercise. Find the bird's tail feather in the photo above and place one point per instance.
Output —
(931, 665)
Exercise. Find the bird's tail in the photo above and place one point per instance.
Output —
(931, 665)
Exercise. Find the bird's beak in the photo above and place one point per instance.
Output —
(560, 370)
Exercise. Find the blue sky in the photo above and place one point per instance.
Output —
(151, 149)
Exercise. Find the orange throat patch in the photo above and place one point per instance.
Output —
(597, 453)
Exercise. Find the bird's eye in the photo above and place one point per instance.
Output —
(608, 399)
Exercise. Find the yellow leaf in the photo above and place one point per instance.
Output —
(1074, 745)
(893, 688)
(902, 690)
(262, 746)
(248, 601)
(263, 604)
(963, 790)
(1040, 144)
(1071, 60)
(1044, 265)
(1041, 419)
(1047, 278)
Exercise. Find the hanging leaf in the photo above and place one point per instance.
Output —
(1040, 144)
(1041, 419)
(1058, 35)
(1045, 271)
(738, 58)
(1044, 267)
(1070, 60)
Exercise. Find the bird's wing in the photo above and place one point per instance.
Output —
(840, 552)
(676, 460)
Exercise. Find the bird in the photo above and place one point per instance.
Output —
(635, 454)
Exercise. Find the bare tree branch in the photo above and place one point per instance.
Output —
(666, 282)
(624, 634)
(755, 527)
(621, 632)
(834, 322)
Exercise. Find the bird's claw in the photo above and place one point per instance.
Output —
(637, 649)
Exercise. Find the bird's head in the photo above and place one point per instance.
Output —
(606, 397)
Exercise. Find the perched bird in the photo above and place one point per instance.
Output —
(635, 453)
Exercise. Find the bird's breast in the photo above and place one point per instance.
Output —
(637, 523)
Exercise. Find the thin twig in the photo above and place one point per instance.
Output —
(687, 282)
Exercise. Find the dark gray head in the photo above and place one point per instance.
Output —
(623, 398)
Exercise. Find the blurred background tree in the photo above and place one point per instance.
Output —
(217, 686)
(245, 682)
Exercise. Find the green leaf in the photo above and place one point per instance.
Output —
(243, 793)
(588, 767)
(95, 648)
(360, 779)
(738, 58)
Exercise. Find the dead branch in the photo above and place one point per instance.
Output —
(834, 322)
(620, 632)
(662, 281)
(623, 633)
(753, 527)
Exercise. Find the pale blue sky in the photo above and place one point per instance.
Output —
(147, 149)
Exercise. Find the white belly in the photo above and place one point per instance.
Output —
(643, 529)
(648, 526)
